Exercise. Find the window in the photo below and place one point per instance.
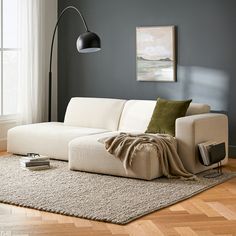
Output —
(9, 57)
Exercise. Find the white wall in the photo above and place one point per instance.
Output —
(5, 125)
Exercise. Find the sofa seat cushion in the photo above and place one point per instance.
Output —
(88, 154)
(46, 138)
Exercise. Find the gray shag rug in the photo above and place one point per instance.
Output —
(93, 196)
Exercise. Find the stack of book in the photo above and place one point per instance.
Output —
(205, 151)
(35, 162)
(212, 152)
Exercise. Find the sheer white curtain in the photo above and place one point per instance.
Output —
(35, 31)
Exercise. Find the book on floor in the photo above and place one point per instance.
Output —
(44, 167)
(34, 163)
(36, 158)
(38, 162)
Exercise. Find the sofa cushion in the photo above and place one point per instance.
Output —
(49, 139)
(102, 113)
(164, 115)
(88, 154)
(136, 114)
(197, 108)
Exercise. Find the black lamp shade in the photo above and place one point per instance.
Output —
(88, 42)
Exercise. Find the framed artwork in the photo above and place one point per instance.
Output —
(155, 53)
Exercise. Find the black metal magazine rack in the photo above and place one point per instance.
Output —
(216, 154)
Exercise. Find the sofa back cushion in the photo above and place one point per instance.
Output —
(165, 114)
(137, 114)
(102, 113)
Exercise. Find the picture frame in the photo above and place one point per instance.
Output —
(156, 53)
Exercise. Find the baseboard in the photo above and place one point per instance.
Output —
(232, 151)
(3, 144)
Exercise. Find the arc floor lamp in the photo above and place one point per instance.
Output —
(87, 42)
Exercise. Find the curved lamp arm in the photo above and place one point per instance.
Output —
(55, 29)
(86, 43)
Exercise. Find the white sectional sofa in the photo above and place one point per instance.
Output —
(89, 119)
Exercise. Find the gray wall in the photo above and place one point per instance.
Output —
(206, 35)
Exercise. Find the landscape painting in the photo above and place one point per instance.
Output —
(155, 53)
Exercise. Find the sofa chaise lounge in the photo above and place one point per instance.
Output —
(89, 119)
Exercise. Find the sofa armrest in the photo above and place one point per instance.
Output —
(192, 130)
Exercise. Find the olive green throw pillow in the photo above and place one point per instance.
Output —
(164, 115)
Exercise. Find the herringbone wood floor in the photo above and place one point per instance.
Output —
(210, 213)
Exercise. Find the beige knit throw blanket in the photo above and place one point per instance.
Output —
(125, 146)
